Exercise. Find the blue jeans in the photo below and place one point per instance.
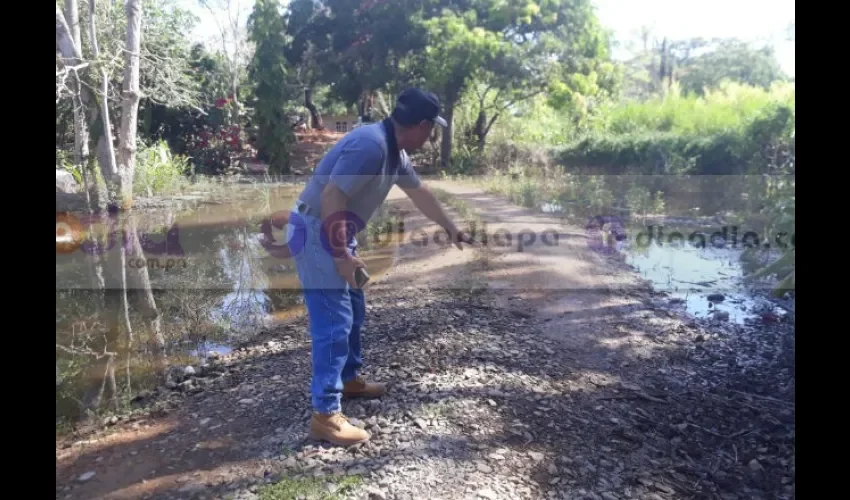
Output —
(336, 312)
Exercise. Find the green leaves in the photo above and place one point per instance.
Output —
(272, 94)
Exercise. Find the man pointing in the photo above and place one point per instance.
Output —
(348, 185)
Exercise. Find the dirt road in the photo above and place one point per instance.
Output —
(551, 372)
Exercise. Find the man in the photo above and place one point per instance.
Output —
(348, 185)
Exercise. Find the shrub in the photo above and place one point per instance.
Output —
(158, 170)
(212, 149)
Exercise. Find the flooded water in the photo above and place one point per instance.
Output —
(707, 282)
(213, 281)
(705, 277)
(215, 284)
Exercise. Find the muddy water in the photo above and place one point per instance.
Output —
(704, 277)
(706, 282)
(214, 283)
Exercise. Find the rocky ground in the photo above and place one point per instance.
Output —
(493, 395)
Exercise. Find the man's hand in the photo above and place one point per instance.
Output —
(346, 266)
(457, 237)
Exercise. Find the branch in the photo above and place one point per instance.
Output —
(67, 69)
(482, 96)
(490, 124)
(85, 352)
(67, 47)
(520, 99)
(221, 33)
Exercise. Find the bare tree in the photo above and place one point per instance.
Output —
(130, 103)
(68, 40)
(118, 170)
(230, 19)
(80, 101)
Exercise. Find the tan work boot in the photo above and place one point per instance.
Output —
(359, 388)
(336, 429)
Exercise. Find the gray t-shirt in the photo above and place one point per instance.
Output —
(359, 165)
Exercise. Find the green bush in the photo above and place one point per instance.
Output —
(158, 171)
(725, 152)
(729, 108)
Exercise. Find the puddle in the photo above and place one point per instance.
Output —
(691, 274)
(207, 349)
(706, 282)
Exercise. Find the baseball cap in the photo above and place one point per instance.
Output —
(414, 105)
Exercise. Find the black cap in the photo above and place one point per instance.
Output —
(414, 105)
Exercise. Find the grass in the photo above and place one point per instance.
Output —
(159, 171)
(309, 488)
(729, 108)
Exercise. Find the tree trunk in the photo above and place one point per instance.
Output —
(446, 146)
(69, 51)
(125, 316)
(79, 105)
(105, 148)
(130, 104)
(81, 134)
(140, 284)
(234, 100)
(315, 116)
(480, 129)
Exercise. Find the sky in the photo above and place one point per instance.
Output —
(679, 19)
(764, 20)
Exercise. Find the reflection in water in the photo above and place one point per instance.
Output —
(246, 308)
(692, 275)
(206, 350)
(228, 289)
(689, 273)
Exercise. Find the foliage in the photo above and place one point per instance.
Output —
(728, 108)
(729, 131)
(213, 149)
(364, 40)
(781, 232)
(696, 65)
(731, 59)
(158, 171)
(505, 50)
(269, 73)
(165, 73)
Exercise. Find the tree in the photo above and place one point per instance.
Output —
(117, 168)
(354, 47)
(130, 103)
(304, 54)
(165, 77)
(230, 21)
(513, 41)
(271, 77)
(727, 59)
(79, 104)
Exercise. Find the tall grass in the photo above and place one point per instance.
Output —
(730, 108)
(159, 171)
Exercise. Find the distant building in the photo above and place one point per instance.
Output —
(340, 123)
